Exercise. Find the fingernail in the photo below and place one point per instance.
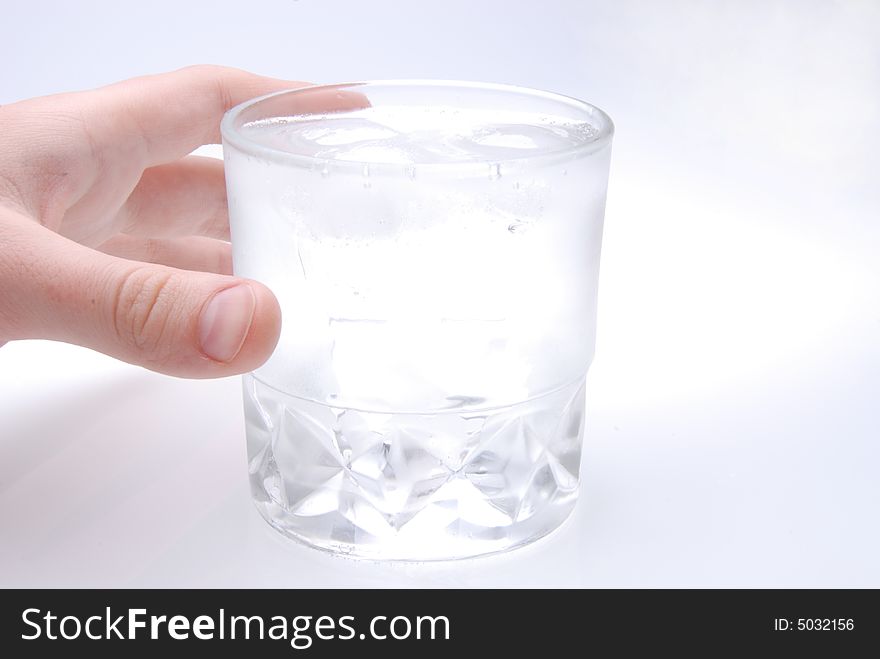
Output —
(225, 322)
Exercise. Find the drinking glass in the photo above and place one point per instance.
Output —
(434, 247)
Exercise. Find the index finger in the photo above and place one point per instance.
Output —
(168, 115)
(56, 149)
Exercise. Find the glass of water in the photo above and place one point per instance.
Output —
(434, 247)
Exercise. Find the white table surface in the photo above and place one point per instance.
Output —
(733, 424)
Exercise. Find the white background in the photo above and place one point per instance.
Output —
(733, 427)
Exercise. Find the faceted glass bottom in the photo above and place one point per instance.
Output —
(405, 486)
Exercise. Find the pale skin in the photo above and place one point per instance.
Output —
(113, 238)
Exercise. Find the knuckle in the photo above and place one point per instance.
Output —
(143, 311)
(219, 79)
(207, 69)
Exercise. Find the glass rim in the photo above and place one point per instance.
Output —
(604, 131)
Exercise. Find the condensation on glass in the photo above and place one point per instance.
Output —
(434, 247)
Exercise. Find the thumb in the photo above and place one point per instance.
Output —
(179, 322)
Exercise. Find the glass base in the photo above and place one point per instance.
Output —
(417, 487)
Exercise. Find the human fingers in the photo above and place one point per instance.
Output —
(186, 253)
(183, 198)
(166, 116)
(88, 149)
(188, 324)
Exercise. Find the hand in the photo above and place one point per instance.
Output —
(112, 237)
